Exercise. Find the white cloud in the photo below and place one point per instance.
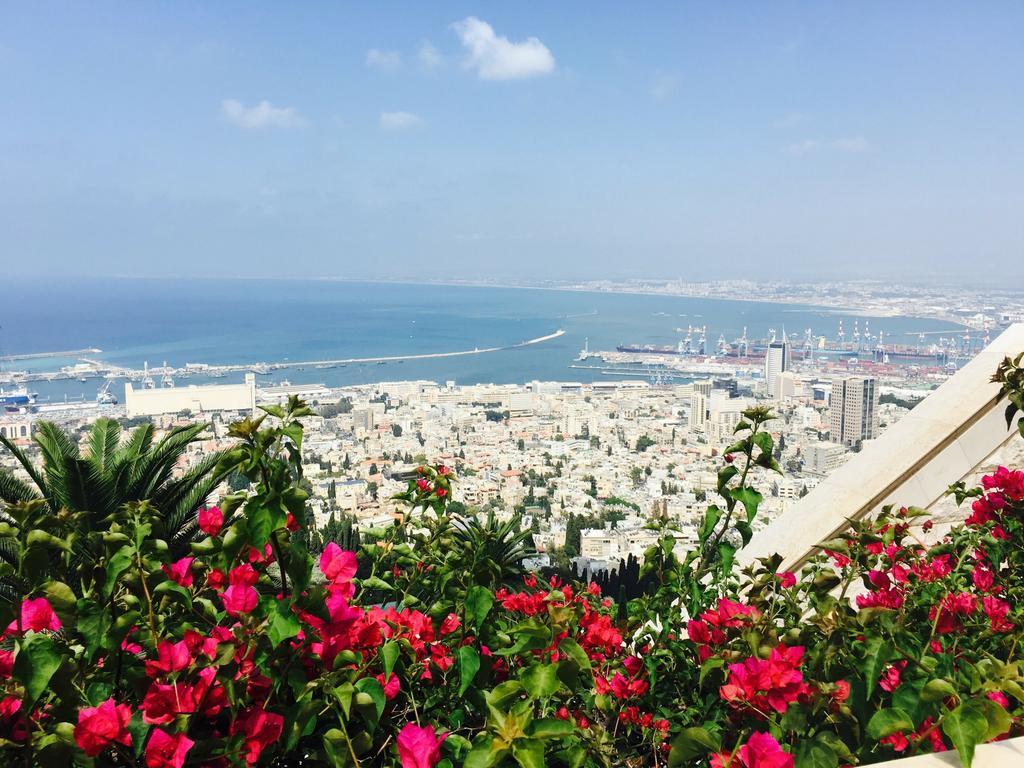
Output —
(803, 147)
(663, 87)
(263, 115)
(385, 61)
(852, 144)
(428, 56)
(397, 121)
(497, 58)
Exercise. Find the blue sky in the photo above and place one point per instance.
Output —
(703, 140)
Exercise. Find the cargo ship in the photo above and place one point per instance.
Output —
(651, 349)
(15, 399)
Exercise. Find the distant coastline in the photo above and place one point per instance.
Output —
(834, 309)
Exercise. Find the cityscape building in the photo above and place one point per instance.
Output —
(853, 413)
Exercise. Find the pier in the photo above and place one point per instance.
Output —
(95, 368)
(45, 355)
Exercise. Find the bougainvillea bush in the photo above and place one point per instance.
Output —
(247, 651)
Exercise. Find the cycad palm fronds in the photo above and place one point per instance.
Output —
(114, 472)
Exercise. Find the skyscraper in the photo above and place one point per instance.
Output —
(776, 360)
(854, 410)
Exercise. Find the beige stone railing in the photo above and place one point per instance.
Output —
(943, 439)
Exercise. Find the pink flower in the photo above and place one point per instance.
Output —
(891, 677)
(766, 684)
(450, 624)
(787, 579)
(180, 571)
(167, 751)
(261, 729)
(12, 719)
(216, 579)
(171, 657)
(999, 698)
(163, 703)
(211, 520)
(338, 565)
(240, 597)
(997, 610)
(760, 751)
(419, 747)
(36, 615)
(391, 687)
(98, 727)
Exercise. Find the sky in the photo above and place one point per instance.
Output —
(528, 141)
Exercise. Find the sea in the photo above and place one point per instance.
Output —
(134, 321)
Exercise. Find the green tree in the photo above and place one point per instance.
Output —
(396, 430)
(643, 443)
(572, 536)
(113, 472)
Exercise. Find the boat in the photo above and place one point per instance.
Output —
(650, 349)
(105, 396)
(12, 399)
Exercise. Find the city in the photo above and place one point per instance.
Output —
(615, 453)
(511, 385)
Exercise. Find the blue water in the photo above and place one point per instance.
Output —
(248, 321)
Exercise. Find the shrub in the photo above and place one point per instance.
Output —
(247, 652)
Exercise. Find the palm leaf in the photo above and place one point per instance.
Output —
(57, 448)
(134, 448)
(29, 467)
(89, 490)
(13, 489)
(103, 441)
(153, 470)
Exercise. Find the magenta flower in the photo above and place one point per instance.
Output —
(419, 747)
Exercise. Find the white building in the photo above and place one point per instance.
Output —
(854, 410)
(776, 361)
(194, 399)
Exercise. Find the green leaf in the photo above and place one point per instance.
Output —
(60, 596)
(529, 753)
(937, 690)
(886, 722)
(173, 588)
(814, 754)
(965, 726)
(260, 524)
(749, 498)
(725, 474)
(876, 654)
(478, 604)
(726, 555)
(711, 517)
(118, 563)
(540, 680)
(711, 663)
(343, 693)
(371, 687)
(44, 540)
(284, 624)
(35, 664)
(999, 720)
(551, 728)
(389, 654)
(483, 755)
(691, 744)
(573, 651)
(469, 665)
